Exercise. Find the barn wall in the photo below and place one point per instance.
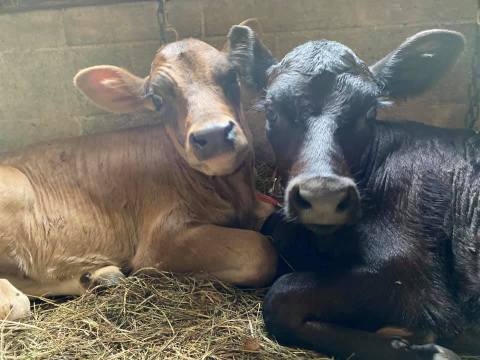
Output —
(41, 50)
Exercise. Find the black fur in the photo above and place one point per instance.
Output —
(412, 261)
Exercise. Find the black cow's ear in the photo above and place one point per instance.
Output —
(250, 57)
(418, 63)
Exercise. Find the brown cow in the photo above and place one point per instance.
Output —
(178, 196)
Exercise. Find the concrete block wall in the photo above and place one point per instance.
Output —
(41, 50)
(372, 28)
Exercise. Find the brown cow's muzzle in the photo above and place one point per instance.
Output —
(213, 140)
(219, 148)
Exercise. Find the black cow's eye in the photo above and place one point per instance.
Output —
(372, 113)
(271, 116)
(157, 101)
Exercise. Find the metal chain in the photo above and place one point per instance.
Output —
(167, 32)
(473, 114)
(162, 21)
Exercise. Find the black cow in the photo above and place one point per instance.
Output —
(391, 262)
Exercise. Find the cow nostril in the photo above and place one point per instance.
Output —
(299, 200)
(346, 202)
(198, 141)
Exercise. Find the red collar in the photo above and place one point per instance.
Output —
(275, 194)
(268, 199)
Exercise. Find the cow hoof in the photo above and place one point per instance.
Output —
(102, 278)
(434, 352)
(14, 304)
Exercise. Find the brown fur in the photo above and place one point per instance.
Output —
(130, 199)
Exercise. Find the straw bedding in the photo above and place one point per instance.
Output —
(161, 317)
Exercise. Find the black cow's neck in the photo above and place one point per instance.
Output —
(429, 175)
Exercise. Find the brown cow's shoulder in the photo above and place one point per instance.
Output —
(178, 196)
(99, 195)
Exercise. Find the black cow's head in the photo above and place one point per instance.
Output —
(321, 103)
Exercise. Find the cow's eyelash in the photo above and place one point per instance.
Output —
(156, 99)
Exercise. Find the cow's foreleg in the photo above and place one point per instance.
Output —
(320, 313)
(103, 277)
(240, 257)
(73, 285)
(13, 303)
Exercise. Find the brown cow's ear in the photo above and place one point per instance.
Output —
(418, 63)
(249, 56)
(111, 88)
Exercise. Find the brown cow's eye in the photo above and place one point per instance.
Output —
(157, 102)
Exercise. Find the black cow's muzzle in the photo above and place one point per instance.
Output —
(323, 203)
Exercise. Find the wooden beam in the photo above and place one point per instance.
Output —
(8, 6)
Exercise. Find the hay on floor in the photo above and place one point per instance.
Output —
(161, 317)
(264, 178)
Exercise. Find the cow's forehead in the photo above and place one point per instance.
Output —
(314, 57)
(293, 74)
(190, 54)
(285, 85)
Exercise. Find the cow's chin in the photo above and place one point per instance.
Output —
(312, 224)
(222, 165)
(322, 229)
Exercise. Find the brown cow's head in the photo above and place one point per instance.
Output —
(195, 90)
